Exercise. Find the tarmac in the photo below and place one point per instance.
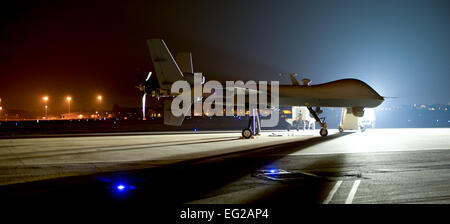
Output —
(379, 166)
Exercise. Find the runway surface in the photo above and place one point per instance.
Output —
(54, 156)
(377, 166)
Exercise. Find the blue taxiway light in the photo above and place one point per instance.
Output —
(120, 187)
(123, 187)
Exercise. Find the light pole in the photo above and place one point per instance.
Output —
(1, 109)
(45, 99)
(99, 100)
(69, 99)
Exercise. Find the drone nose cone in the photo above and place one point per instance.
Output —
(379, 97)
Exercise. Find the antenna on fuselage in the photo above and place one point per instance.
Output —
(306, 82)
(292, 76)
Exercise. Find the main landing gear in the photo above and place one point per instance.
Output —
(323, 131)
(254, 125)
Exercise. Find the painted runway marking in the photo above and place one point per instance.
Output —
(332, 192)
(352, 193)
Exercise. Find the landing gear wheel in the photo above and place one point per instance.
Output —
(246, 133)
(323, 132)
(341, 129)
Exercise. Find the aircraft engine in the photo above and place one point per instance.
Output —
(358, 111)
(147, 85)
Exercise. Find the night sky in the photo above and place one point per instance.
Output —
(85, 48)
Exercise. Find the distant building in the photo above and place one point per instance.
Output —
(14, 114)
(126, 113)
(73, 116)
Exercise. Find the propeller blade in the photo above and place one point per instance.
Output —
(148, 76)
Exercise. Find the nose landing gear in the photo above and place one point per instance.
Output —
(323, 131)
